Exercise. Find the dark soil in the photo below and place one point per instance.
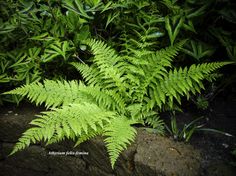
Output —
(216, 149)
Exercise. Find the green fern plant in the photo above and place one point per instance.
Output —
(118, 91)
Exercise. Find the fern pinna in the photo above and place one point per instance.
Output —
(118, 92)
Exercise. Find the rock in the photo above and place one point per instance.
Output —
(36, 159)
(66, 145)
(98, 157)
(221, 169)
(94, 171)
(33, 158)
(97, 154)
(9, 170)
(125, 163)
(12, 126)
(149, 155)
(157, 155)
(66, 166)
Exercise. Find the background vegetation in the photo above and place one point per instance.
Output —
(40, 37)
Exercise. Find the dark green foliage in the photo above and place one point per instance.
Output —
(38, 39)
(234, 154)
(120, 91)
(202, 103)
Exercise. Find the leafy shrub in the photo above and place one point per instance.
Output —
(39, 39)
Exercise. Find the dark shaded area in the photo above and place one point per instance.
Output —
(216, 149)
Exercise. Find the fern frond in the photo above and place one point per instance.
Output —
(67, 122)
(135, 110)
(166, 55)
(108, 63)
(156, 123)
(30, 136)
(119, 133)
(180, 82)
(155, 70)
(108, 99)
(206, 68)
(104, 55)
(52, 93)
(91, 134)
(91, 74)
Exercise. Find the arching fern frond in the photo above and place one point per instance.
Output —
(119, 134)
(52, 93)
(108, 99)
(166, 55)
(180, 82)
(104, 55)
(108, 63)
(91, 74)
(155, 69)
(90, 135)
(67, 122)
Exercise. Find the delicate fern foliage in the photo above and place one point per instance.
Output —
(108, 63)
(52, 93)
(70, 121)
(118, 134)
(180, 82)
(120, 90)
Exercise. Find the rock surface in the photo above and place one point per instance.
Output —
(150, 155)
(158, 155)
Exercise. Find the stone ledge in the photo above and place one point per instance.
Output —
(150, 155)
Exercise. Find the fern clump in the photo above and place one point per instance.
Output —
(118, 91)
